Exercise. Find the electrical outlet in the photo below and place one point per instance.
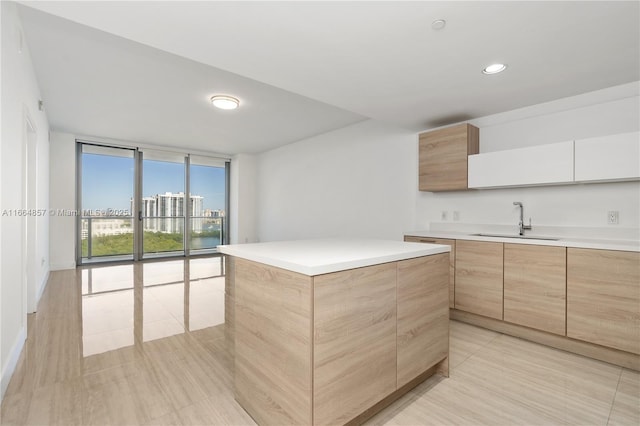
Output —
(613, 217)
(456, 216)
(443, 215)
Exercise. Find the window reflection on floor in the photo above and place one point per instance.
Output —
(128, 304)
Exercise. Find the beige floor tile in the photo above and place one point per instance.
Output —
(172, 373)
(626, 406)
(465, 340)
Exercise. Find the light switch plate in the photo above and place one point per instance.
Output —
(613, 217)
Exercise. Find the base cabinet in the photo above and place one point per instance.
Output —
(535, 287)
(332, 348)
(423, 320)
(354, 350)
(479, 278)
(603, 298)
(452, 260)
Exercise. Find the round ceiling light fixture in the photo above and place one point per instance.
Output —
(225, 102)
(494, 69)
(438, 24)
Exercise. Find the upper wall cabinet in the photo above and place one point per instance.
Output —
(443, 157)
(614, 157)
(536, 165)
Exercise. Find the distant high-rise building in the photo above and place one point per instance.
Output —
(161, 212)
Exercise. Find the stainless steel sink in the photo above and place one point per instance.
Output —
(521, 237)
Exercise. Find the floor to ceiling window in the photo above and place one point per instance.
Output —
(207, 193)
(143, 203)
(163, 205)
(107, 186)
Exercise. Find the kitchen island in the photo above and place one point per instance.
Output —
(330, 331)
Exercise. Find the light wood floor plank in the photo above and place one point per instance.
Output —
(187, 378)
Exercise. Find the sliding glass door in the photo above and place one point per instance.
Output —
(141, 203)
(106, 225)
(163, 206)
(207, 193)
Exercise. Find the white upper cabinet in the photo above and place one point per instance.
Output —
(608, 158)
(537, 165)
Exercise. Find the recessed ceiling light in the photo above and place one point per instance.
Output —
(225, 102)
(494, 69)
(438, 24)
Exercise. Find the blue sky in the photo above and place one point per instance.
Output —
(107, 182)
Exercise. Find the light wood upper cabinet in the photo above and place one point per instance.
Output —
(535, 286)
(603, 297)
(452, 260)
(479, 278)
(613, 157)
(443, 157)
(423, 315)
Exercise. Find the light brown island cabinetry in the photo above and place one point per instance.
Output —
(423, 320)
(443, 156)
(603, 297)
(332, 348)
(452, 260)
(479, 278)
(535, 286)
(354, 348)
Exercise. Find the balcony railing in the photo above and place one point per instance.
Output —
(113, 235)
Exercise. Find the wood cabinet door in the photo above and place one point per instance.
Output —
(479, 278)
(273, 343)
(423, 315)
(452, 260)
(535, 286)
(443, 157)
(354, 355)
(603, 297)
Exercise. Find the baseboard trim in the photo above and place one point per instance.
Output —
(602, 353)
(62, 266)
(10, 366)
(43, 284)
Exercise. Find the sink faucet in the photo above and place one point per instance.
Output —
(522, 227)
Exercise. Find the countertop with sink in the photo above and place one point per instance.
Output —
(532, 238)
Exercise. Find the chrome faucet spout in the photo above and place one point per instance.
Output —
(521, 226)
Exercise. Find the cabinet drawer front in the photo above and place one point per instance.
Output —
(603, 298)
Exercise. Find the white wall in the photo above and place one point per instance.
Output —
(20, 95)
(243, 199)
(357, 181)
(62, 187)
(610, 111)
(362, 180)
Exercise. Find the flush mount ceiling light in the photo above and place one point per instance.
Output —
(494, 69)
(225, 102)
(438, 24)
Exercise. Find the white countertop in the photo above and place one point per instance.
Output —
(591, 243)
(323, 256)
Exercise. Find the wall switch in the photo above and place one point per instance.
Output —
(443, 215)
(456, 216)
(613, 217)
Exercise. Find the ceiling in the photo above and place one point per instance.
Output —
(144, 71)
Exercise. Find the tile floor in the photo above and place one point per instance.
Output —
(145, 345)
